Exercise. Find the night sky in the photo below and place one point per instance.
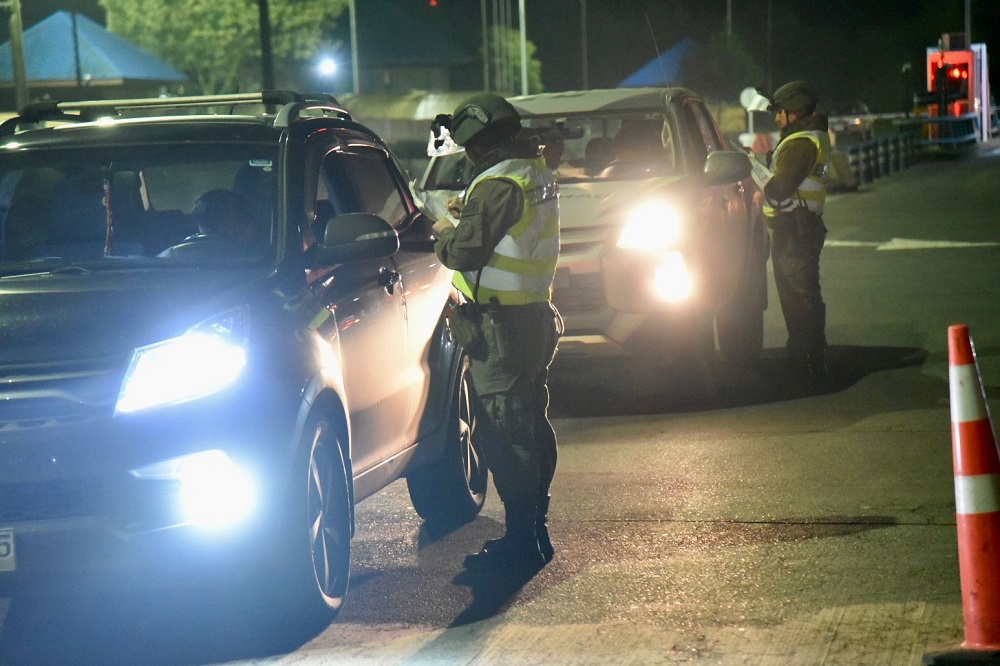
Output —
(854, 51)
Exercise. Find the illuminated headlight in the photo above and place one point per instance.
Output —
(214, 491)
(201, 362)
(672, 281)
(651, 226)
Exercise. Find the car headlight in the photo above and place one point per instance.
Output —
(672, 281)
(651, 226)
(203, 361)
(214, 492)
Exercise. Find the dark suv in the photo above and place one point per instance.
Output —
(218, 333)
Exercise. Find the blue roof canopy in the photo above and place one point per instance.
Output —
(52, 55)
(664, 70)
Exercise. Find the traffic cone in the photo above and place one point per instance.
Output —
(977, 507)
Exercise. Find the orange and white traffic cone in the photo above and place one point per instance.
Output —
(977, 507)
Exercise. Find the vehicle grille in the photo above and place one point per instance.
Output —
(40, 395)
(67, 499)
(579, 293)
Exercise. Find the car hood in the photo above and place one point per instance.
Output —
(599, 203)
(58, 317)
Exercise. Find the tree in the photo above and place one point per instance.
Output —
(217, 42)
(722, 69)
(505, 59)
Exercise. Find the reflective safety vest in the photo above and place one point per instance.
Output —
(523, 265)
(812, 191)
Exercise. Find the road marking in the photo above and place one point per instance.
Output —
(909, 244)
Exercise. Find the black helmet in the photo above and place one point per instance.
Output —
(795, 96)
(481, 112)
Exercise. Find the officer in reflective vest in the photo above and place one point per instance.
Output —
(504, 250)
(795, 192)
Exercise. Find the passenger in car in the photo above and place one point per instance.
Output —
(597, 154)
(639, 151)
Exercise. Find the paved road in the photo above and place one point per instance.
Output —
(769, 526)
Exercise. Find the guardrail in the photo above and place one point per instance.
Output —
(877, 157)
(944, 131)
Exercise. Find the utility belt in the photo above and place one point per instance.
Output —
(468, 321)
(805, 225)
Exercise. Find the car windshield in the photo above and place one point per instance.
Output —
(584, 148)
(164, 204)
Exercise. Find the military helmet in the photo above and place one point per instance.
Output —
(482, 112)
(795, 96)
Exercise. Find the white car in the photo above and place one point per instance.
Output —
(664, 249)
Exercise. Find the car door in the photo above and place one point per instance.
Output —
(725, 238)
(369, 306)
(423, 281)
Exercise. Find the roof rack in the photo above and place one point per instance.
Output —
(292, 105)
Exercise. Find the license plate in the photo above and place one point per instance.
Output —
(8, 559)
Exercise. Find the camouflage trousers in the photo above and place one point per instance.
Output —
(511, 387)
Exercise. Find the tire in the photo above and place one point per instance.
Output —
(451, 491)
(318, 564)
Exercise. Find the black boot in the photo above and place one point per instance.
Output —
(517, 549)
(816, 357)
(542, 531)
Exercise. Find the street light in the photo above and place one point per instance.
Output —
(326, 67)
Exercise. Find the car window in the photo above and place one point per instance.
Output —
(449, 172)
(360, 182)
(137, 201)
(581, 148)
(703, 137)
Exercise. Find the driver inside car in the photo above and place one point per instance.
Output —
(222, 217)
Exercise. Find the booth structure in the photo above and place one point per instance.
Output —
(956, 107)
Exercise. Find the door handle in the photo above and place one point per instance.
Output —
(388, 278)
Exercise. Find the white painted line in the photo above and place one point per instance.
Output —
(910, 244)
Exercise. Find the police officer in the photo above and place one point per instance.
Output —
(504, 251)
(795, 194)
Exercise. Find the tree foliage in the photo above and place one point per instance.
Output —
(722, 69)
(217, 42)
(505, 59)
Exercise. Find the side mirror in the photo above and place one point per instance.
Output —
(726, 166)
(355, 236)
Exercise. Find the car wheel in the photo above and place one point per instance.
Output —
(320, 560)
(452, 491)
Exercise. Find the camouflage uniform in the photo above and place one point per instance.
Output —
(510, 378)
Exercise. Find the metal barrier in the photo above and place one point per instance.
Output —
(944, 131)
(875, 158)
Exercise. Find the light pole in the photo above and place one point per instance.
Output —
(266, 56)
(17, 52)
(486, 45)
(356, 87)
(583, 44)
(524, 46)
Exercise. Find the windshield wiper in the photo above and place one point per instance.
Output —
(70, 269)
